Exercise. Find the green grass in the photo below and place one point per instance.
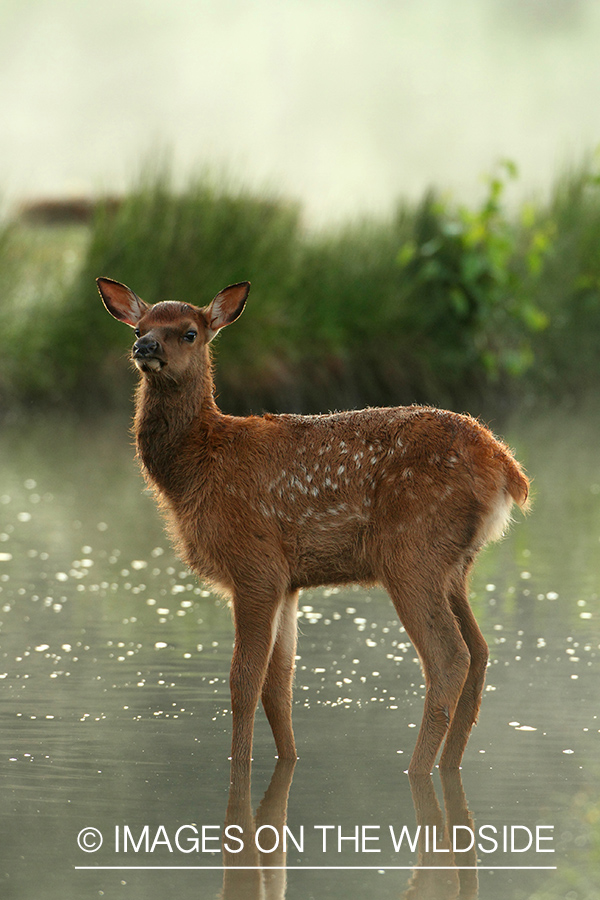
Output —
(440, 302)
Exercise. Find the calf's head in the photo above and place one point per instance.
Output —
(171, 337)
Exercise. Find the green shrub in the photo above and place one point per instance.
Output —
(567, 357)
(470, 291)
(440, 303)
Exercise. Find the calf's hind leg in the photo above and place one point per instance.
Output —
(424, 610)
(467, 709)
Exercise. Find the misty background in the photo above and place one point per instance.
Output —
(345, 106)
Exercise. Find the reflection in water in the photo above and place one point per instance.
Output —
(267, 876)
(430, 883)
(255, 874)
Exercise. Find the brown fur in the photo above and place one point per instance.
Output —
(262, 506)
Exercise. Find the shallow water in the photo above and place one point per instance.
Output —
(114, 702)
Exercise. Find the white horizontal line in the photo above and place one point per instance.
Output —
(318, 868)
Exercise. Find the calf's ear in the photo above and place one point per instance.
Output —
(227, 306)
(121, 301)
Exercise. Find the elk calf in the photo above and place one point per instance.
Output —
(262, 506)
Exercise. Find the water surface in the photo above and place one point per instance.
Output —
(114, 700)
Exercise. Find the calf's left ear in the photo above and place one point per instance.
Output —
(227, 306)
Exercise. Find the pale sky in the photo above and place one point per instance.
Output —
(345, 105)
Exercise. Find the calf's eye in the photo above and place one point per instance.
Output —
(190, 336)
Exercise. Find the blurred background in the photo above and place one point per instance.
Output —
(345, 106)
(403, 183)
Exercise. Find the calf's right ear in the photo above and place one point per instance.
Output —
(121, 302)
